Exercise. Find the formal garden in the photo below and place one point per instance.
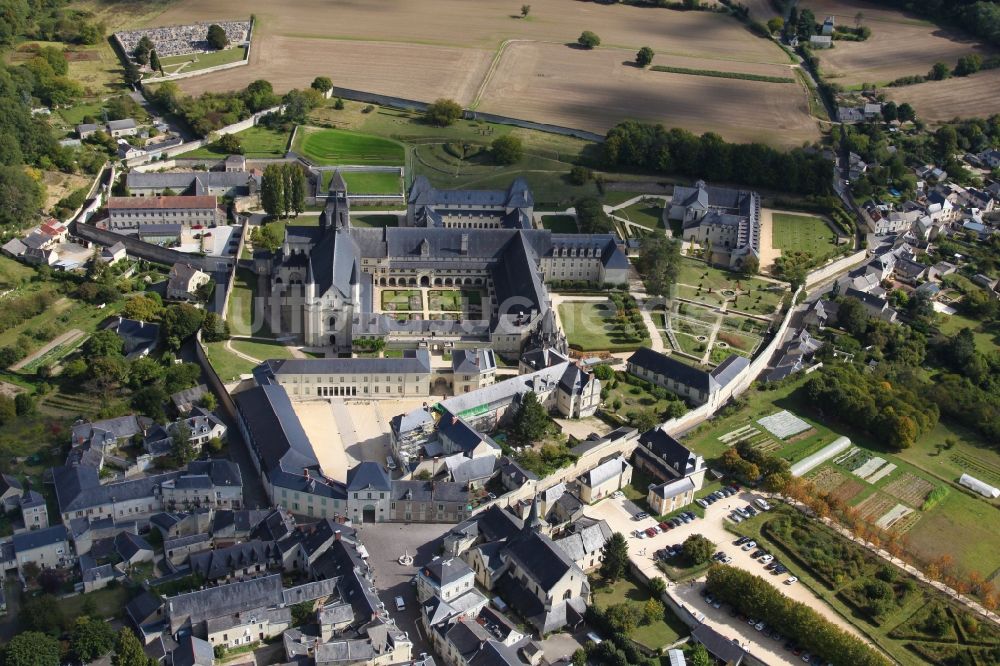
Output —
(614, 324)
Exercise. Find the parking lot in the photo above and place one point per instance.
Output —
(385, 542)
(619, 514)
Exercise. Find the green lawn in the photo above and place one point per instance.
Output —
(647, 213)
(589, 327)
(172, 64)
(399, 299)
(452, 299)
(334, 146)
(987, 336)
(109, 602)
(560, 224)
(262, 350)
(372, 182)
(13, 273)
(258, 141)
(805, 233)
(633, 398)
(375, 220)
(243, 313)
(655, 635)
(75, 114)
(969, 453)
(700, 282)
(227, 365)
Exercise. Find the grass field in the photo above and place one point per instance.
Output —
(647, 213)
(257, 142)
(228, 365)
(655, 635)
(262, 350)
(13, 273)
(589, 327)
(560, 224)
(805, 233)
(193, 62)
(333, 146)
(987, 336)
(368, 182)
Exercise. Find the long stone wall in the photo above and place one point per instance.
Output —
(142, 249)
(839, 266)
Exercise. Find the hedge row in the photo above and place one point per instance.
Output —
(723, 75)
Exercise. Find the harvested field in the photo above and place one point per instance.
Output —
(934, 101)
(875, 505)
(413, 71)
(909, 488)
(847, 491)
(901, 44)
(594, 90)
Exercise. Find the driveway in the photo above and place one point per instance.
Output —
(385, 542)
(712, 526)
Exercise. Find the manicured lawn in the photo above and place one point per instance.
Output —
(560, 224)
(262, 350)
(589, 327)
(647, 213)
(375, 220)
(333, 146)
(13, 273)
(633, 398)
(171, 64)
(368, 182)
(804, 233)
(243, 315)
(700, 282)
(654, 635)
(75, 114)
(393, 299)
(452, 299)
(257, 142)
(228, 365)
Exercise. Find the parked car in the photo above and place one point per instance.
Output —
(639, 534)
(665, 526)
(684, 518)
(766, 558)
(735, 517)
(780, 569)
(618, 494)
(749, 509)
(757, 553)
(641, 515)
(791, 580)
(651, 531)
(400, 604)
(728, 559)
(762, 503)
(742, 512)
(676, 522)
(690, 514)
(806, 657)
(760, 626)
(593, 637)
(749, 545)
(742, 540)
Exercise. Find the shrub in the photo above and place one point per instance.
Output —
(507, 149)
(443, 112)
(588, 40)
(644, 57)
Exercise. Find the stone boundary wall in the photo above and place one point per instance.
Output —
(142, 249)
(207, 70)
(842, 264)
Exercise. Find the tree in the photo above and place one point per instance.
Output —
(531, 421)
(890, 111)
(525, 10)
(91, 639)
(644, 57)
(776, 25)
(659, 263)
(579, 657)
(128, 651)
(154, 62)
(644, 420)
(180, 322)
(272, 189)
(614, 557)
(443, 112)
(968, 64)
(697, 549)
(699, 656)
(215, 328)
(24, 404)
(149, 401)
(142, 308)
(588, 40)
(939, 72)
(906, 112)
(43, 614)
(144, 371)
(751, 266)
(217, 37)
(579, 175)
(852, 316)
(21, 196)
(295, 184)
(657, 587)
(322, 84)
(229, 144)
(590, 216)
(622, 618)
(31, 648)
(507, 149)
(652, 611)
(180, 376)
(259, 95)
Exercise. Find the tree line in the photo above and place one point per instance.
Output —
(635, 145)
(283, 189)
(754, 596)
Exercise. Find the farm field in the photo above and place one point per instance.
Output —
(594, 90)
(934, 101)
(901, 44)
(333, 146)
(806, 233)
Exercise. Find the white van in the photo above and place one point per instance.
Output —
(762, 503)
(400, 604)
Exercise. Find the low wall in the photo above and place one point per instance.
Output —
(217, 68)
(839, 266)
(381, 100)
(213, 382)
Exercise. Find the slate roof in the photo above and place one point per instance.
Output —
(519, 475)
(670, 368)
(226, 599)
(517, 195)
(222, 562)
(463, 470)
(136, 335)
(718, 645)
(729, 369)
(667, 450)
(277, 434)
(142, 607)
(472, 361)
(673, 488)
(179, 182)
(162, 203)
(585, 540)
(8, 482)
(429, 491)
(444, 571)
(607, 470)
(368, 476)
(32, 539)
(192, 651)
(128, 545)
(123, 124)
(414, 361)
(540, 557)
